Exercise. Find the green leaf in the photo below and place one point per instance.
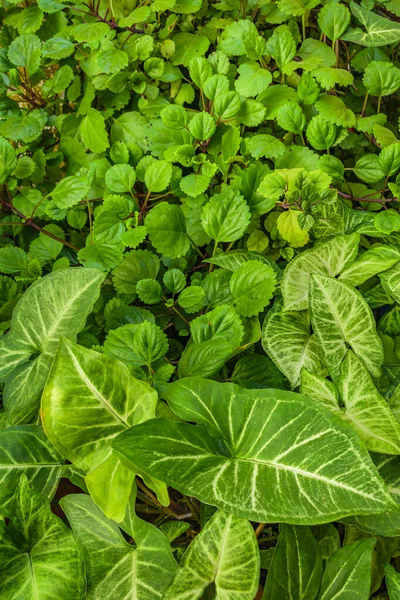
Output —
(25, 128)
(167, 230)
(221, 323)
(12, 259)
(225, 553)
(8, 160)
(25, 450)
(112, 60)
(282, 47)
(158, 176)
(322, 134)
(316, 470)
(320, 389)
(136, 265)
(100, 255)
(265, 145)
(149, 291)
(226, 216)
(333, 20)
(111, 563)
(187, 47)
(71, 190)
(342, 319)
(296, 567)
(202, 127)
(368, 168)
(82, 432)
(92, 131)
(366, 410)
(287, 339)
(52, 307)
(291, 117)
(174, 117)
(150, 343)
(192, 298)
(348, 572)
(25, 52)
(334, 110)
(327, 258)
(387, 221)
(39, 556)
(252, 286)
(252, 79)
(120, 178)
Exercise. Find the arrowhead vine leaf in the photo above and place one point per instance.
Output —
(199, 299)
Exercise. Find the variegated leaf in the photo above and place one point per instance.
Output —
(386, 524)
(89, 398)
(114, 568)
(225, 553)
(272, 456)
(328, 258)
(25, 450)
(390, 281)
(375, 260)
(287, 339)
(365, 409)
(39, 556)
(52, 307)
(320, 389)
(342, 319)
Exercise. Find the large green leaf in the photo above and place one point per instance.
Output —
(267, 455)
(342, 319)
(328, 258)
(348, 572)
(379, 31)
(88, 399)
(366, 410)
(320, 389)
(114, 568)
(39, 556)
(225, 553)
(25, 450)
(54, 306)
(287, 339)
(296, 566)
(391, 282)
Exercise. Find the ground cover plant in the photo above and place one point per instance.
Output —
(200, 300)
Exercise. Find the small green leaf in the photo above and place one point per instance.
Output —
(93, 132)
(252, 286)
(158, 175)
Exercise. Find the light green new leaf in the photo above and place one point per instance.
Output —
(287, 339)
(93, 132)
(226, 216)
(252, 79)
(328, 258)
(296, 567)
(167, 230)
(114, 568)
(25, 450)
(283, 458)
(252, 286)
(291, 117)
(39, 556)
(348, 572)
(341, 320)
(265, 145)
(158, 175)
(381, 78)
(376, 259)
(390, 281)
(202, 126)
(88, 399)
(366, 410)
(52, 307)
(225, 553)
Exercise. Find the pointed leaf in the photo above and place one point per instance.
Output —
(226, 553)
(298, 464)
(342, 319)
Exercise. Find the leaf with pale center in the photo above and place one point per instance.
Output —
(266, 455)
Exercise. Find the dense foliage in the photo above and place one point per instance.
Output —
(200, 300)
